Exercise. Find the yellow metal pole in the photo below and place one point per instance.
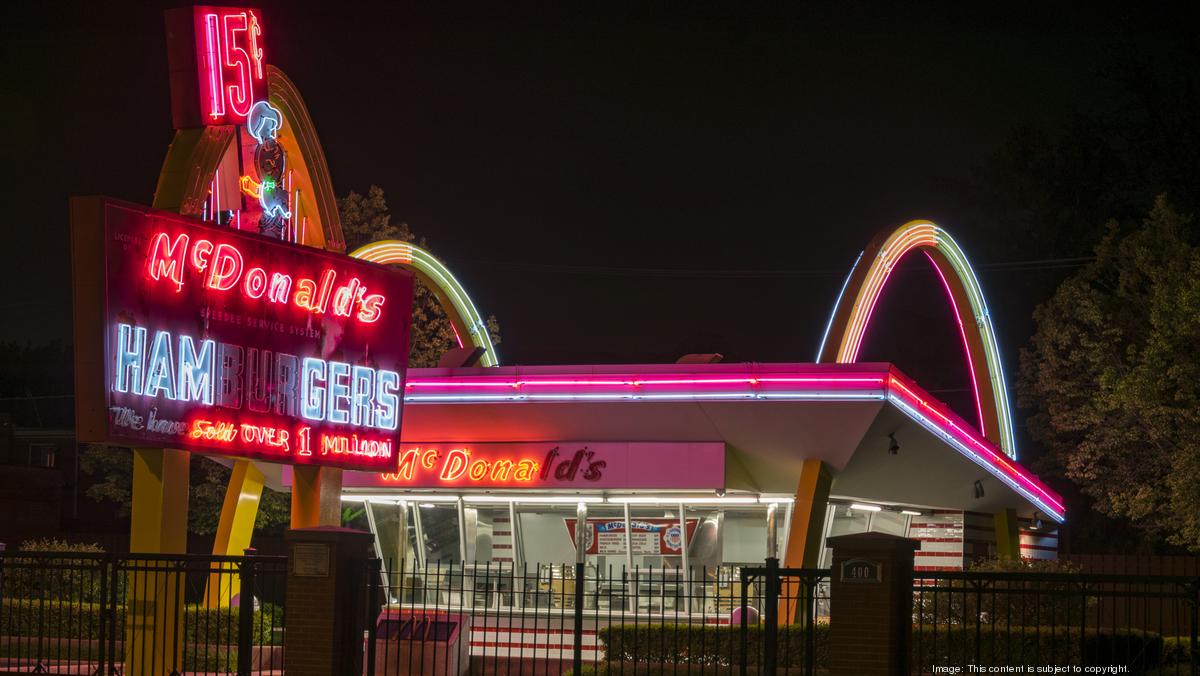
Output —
(316, 496)
(154, 591)
(808, 515)
(1008, 536)
(808, 523)
(235, 529)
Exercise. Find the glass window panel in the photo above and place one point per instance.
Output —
(745, 536)
(891, 523)
(439, 523)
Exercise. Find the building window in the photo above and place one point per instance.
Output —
(42, 454)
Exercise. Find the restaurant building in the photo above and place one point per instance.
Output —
(224, 320)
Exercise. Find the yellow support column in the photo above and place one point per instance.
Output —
(154, 589)
(316, 496)
(234, 530)
(808, 526)
(1008, 535)
(808, 516)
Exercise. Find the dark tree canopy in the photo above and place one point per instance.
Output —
(1111, 375)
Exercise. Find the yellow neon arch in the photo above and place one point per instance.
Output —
(463, 316)
(854, 307)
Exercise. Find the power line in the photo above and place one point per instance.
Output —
(795, 273)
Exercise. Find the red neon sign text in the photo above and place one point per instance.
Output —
(222, 267)
(278, 440)
(458, 466)
(231, 64)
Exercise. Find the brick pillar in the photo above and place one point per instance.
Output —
(870, 621)
(326, 601)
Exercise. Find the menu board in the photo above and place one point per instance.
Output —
(647, 537)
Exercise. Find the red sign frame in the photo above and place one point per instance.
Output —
(225, 342)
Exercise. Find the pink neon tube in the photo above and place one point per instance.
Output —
(962, 332)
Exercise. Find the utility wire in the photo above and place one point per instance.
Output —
(610, 271)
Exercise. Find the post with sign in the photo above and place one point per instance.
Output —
(870, 623)
(326, 603)
(194, 338)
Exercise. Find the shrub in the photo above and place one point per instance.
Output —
(61, 577)
(52, 618)
(1177, 649)
(76, 620)
(707, 645)
(1047, 601)
(663, 647)
(994, 645)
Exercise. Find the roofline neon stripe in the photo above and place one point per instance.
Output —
(460, 309)
(478, 387)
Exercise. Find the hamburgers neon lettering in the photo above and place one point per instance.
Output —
(180, 368)
(222, 267)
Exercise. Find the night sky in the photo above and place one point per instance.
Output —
(585, 170)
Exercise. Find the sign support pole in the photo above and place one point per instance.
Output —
(158, 525)
(235, 528)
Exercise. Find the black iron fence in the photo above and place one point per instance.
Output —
(139, 614)
(554, 619)
(965, 620)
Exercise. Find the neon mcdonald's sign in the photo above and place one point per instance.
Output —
(580, 465)
(216, 340)
(223, 267)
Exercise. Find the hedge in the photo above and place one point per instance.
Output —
(707, 645)
(664, 646)
(195, 658)
(1004, 646)
(76, 620)
(1177, 649)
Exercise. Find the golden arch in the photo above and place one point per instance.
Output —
(856, 303)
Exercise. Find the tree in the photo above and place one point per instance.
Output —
(366, 219)
(1112, 376)
(112, 481)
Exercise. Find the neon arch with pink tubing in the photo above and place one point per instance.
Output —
(860, 293)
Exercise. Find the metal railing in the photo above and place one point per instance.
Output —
(986, 619)
(794, 604)
(63, 612)
(552, 619)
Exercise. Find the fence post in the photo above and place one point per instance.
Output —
(323, 632)
(113, 566)
(771, 615)
(103, 602)
(375, 586)
(744, 613)
(1194, 589)
(245, 614)
(871, 599)
(581, 523)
